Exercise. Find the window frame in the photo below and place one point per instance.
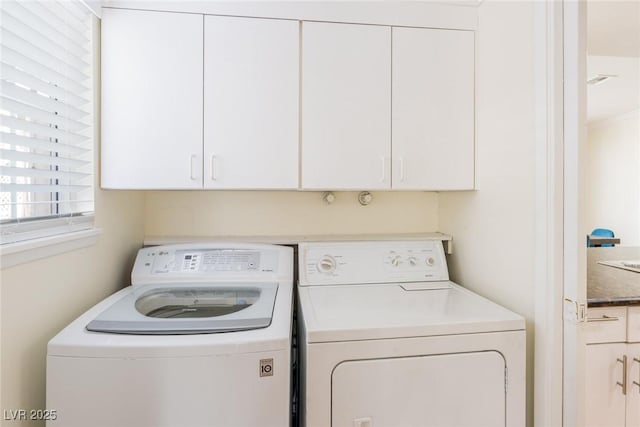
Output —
(44, 237)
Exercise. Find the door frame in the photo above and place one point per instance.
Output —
(560, 251)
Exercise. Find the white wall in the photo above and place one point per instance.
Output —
(493, 228)
(613, 177)
(259, 213)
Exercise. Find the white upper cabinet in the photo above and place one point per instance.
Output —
(346, 106)
(433, 109)
(151, 99)
(251, 99)
(195, 101)
(378, 99)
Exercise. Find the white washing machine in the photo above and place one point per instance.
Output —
(201, 338)
(387, 340)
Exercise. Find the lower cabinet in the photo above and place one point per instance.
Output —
(612, 370)
(633, 386)
(606, 400)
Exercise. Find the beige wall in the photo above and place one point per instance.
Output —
(613, 177)
(494, 227)
(39, 298)
(259, 213)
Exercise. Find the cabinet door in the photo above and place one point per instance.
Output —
(251, 98)
(433, 109)
(605, 406)
(346, 106)
(633, 386)
(151, 99)
(634, 324)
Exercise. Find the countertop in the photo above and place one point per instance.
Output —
(609, 285)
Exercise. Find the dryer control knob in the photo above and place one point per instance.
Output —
(396, 260)
(326, 265)
(430, 261)
(412, 261)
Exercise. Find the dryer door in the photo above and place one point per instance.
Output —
(447, 390)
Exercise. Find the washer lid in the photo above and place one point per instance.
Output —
(380, 311)
(189, 308)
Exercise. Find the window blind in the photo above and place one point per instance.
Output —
(46, 121)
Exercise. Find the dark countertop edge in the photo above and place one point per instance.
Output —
(612, 302)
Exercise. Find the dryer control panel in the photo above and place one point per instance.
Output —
(334, 263)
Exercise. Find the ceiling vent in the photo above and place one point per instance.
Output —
(600, 78)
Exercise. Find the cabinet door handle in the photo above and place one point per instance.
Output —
(193, 169)
(212, 167)
(636, 359)
(383, 171)
(401, 167)
(623, 384)
(604, 318)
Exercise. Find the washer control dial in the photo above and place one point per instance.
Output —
(430, 261)
(326, 265)
(412, 261)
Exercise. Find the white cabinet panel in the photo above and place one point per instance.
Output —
(633, 384)
(634, 324)
(151, 99)
(251, 98)
(453, 390)
(605, 406)
(633, 353)
(229, 103)
(433, 109)
(346, 106)
(607, 324)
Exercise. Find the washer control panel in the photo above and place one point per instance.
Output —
(191, 262)
(332, 263)
(213, 260)
(205, 260)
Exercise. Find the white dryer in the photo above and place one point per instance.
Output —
(387, 340)
(201, 338)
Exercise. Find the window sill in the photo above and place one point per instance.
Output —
(31, 250)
